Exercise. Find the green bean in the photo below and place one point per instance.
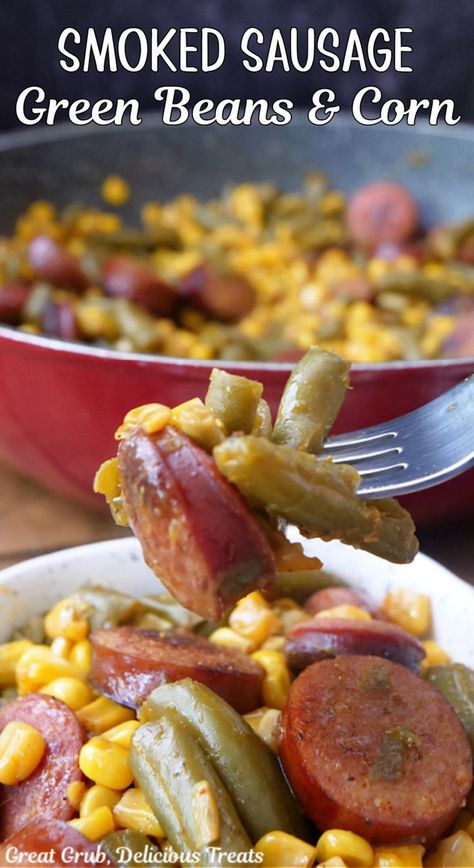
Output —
(165, 606)
(168, 762)
(456, 682)
(319, 497)
(128, 847)
(418, 283)
(106, 608)
(396, 532)
(262, 424)
(300, 584)
(311, 400)
(246, 766)
(234, 400)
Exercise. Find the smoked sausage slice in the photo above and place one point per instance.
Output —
(123, 277)
(372, 748)
(196, 530)
(381, 212)
(68, 846)
(128, 663)
(13, 297)
(327, 598)
(44, 794)
(55, 265)
(323, 637)
(224, 297)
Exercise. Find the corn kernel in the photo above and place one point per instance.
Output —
(38, 667)
(71, 691)
(435, 655)
(102, 714)
(150, 417)
(205, 814)
(81, 655)
(195, 420)
(75, 794)
(276, 683)
(403, 856)
(268, 728)
(96, 797)
(279, 848)
(354, 850)
(274, 643)
(10, 654)
(409, 609)
(106, 764)
(134, 812)
(115, 191)
(65, 620)
(457, 850)
(21, 750)
(122, 734)
(345, 611)
(95, 826)
(61, 647)
(228, 638)
(253, 619)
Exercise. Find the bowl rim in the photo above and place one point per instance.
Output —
(71, 348)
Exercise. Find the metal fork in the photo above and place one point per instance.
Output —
(415, 451)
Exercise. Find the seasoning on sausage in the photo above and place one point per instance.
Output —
(68, 846)
(124, 277)
(380, 212)
(129, 662)
(225, 297)
(372, 748)
(54, 264)
(13, 297)
(327, 598)
(197, 532)
(319, 638)
(44, 793)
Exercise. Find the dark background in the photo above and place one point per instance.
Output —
(442, 57)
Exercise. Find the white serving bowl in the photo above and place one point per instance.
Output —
(33, 586)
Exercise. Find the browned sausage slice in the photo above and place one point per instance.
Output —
(380, 212)
(370, 747)
(13, 297)
(327, 598)
(67, 845)
(44, 793)
(59, 321)
(197, 533)
(319, 638)
(461, 340)
(128, 663)
(224, 297)
(123, 277)
(55, 265)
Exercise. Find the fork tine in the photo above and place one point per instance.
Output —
(353, 456)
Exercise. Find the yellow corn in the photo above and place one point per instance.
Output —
(205, 814)
(66, 620)
(435, 655)
(274, 643)
(105, 763)
(71, 691)
(228, 638)
(276, 683)
(115, 191)
(61, 647)
(102, 714)
(10, 654)
(195, 420)
(122, 734)
(96, 797)
(269, 728)
(21, 750)
(38, 666)
(279, 848)
(352, 849)
(81, 654)
(345, 611)
(333, 862)
(457, 851)
(95, 825)
(150, 417)
(409, 609)
(403, 856)
(75, 793)
(132, 811)
(253, 619)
